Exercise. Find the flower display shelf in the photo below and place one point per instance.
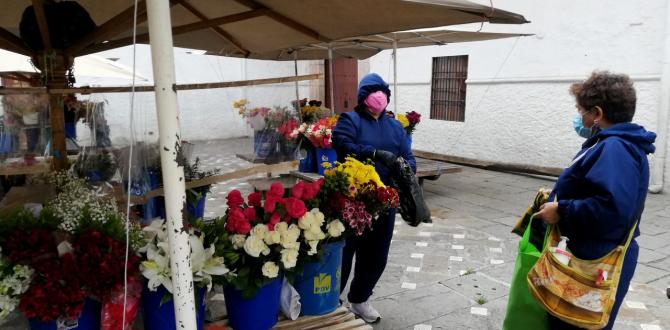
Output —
(340, 319)
(275, 159)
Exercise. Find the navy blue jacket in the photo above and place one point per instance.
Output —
(359, 134)
(602, 193)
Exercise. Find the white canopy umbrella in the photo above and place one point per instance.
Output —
(89, 66)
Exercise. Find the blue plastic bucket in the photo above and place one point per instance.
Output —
(265, 143)
(308, 164)
(325, 156)
(71, 130)
(319, 284)
(197, 210)
(161, 317)
(6, 140)
(257, 313)
(88, 320)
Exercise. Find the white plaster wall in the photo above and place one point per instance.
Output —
(518, 109)
(205, 114)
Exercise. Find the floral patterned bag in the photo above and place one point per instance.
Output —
(581, 293)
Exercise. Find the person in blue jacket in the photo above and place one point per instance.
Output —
(601, 194)
(369, 134)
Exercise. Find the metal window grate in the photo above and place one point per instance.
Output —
(447, 95)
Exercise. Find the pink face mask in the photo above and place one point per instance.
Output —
(376, 102)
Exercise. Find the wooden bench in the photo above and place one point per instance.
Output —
(427, 169)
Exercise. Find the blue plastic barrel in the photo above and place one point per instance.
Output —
(159, 316)
(325, 156)
(319, 284)
(71, 130)
(89, 319)
(308, 164)
(197, 209)
(257, 313)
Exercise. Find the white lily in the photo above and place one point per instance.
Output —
(157, 270)
(203, 262)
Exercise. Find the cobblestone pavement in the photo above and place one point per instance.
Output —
(455, 273)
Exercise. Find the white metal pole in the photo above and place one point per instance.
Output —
(658, 166)
(162, 58)
(297, 91)
(330, 78)
(395, 76)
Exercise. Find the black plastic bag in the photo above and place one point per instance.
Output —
(413, 208)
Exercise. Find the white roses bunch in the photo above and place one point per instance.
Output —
(311, 224)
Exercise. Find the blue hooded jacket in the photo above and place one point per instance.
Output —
(602, 193)
(358, 133)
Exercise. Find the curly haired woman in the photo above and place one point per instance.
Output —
(601, 194)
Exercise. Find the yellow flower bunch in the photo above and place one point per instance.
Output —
(359, 173)
(308, 110)
(403, 120)
(332, 120)
(241, 103)
(241, 106)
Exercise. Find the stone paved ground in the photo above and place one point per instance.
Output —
(455, 274)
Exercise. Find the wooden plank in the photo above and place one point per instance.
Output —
(92, 90)
(309, 177)
(353, 324)
(263, 184)
(177, 30)
(276, 168)
(491, 165)
(330, 322)
(340, 319)
(431, 168)
(37, 168)
(221, 32)
(301, 321)
(12, 42)
(293, 24)
(16, 197)
(38, 8)
(270, 160)
(116, 25)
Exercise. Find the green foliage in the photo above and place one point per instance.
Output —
(23, 219)
(100, 161)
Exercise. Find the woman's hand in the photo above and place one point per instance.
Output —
(548, 213)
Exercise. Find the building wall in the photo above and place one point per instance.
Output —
(518, 108)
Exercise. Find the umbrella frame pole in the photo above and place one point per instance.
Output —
(395, 76)
(297, 90)
(162, 58)
(330, 79)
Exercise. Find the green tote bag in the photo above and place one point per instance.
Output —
(523, 311)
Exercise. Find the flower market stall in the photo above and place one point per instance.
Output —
(73, 289)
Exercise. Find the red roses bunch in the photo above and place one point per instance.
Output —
(68, 268)
(241, 217)
(100, 261)
(56, 289)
